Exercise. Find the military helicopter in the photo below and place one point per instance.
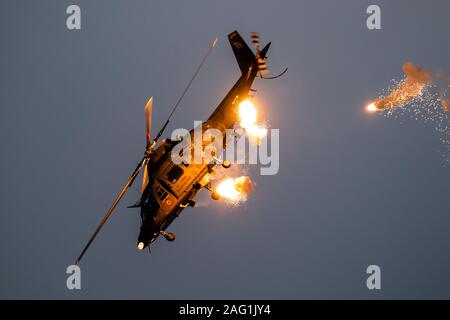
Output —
(168, 188)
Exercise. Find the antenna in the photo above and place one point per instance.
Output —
(213, 44)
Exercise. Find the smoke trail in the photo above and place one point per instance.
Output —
(421, 96)
(416, 80)
(412, 86)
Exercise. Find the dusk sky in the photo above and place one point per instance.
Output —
(353, 189)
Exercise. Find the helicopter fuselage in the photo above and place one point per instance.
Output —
(172, 187)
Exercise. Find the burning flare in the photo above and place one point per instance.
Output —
(372, 107)
(416, 79)
(235, 189)
(248, 116)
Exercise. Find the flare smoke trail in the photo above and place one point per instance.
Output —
(416, 80)
(421, 95)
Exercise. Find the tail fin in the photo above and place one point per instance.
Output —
(242, 52)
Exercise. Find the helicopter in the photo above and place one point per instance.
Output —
(168, 188)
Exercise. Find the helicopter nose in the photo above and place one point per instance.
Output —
(140, 246)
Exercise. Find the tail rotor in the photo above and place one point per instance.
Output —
(261, 57)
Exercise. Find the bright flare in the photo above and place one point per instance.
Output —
(227, 189)
(371, 107)
(248, 116)
(235, 189)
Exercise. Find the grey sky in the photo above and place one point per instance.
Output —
(353, 189)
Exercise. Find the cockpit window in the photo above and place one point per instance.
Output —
(174, 174)
(148, 210)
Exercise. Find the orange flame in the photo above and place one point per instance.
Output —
(235, 189)
(248, 116)
(371, 107)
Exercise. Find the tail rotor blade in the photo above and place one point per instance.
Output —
(255, 40)
(116, 201)
(148, 118)
(260, 55)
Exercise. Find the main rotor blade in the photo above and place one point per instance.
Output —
(148, 118)
(213, 44)
(118, 198)
(144, 178)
